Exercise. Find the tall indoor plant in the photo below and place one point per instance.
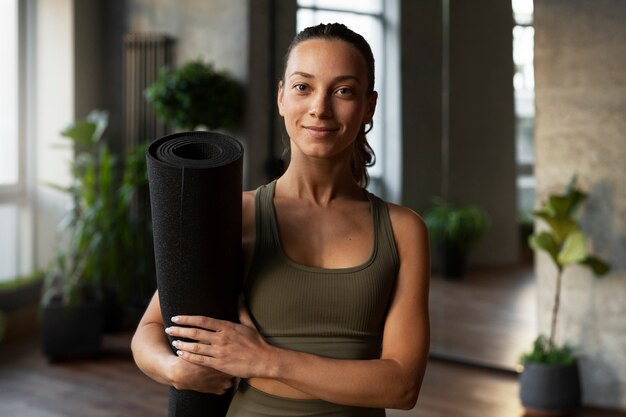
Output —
(550, 381)
(454, 230)
(197, 95)
(95, 261)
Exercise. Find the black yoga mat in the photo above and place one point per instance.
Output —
(195, 181)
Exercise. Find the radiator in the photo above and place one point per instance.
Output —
(144, 55)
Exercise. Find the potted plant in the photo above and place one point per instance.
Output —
(549, 382)
(196, 95)
(94, 263)
(454, 230)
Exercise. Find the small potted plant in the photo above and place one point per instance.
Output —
(454, 230)
(196, 95)
(93, 268)
(549, 383)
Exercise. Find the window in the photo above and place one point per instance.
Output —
(9, 83)
(368, 18)
(11, 162)
(524, 87)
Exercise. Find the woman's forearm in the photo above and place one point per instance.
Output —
(239, 349)
(380, 383)
(152, 353)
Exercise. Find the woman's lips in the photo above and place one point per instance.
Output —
(320, 132)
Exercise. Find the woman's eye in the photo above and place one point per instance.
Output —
(344, 91)
(301, 88)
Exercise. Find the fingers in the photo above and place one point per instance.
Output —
(201, 335)
(198, 354)
(192, 348)
(202, 360)
(208, 323)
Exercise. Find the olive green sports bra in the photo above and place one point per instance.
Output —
(336, 313)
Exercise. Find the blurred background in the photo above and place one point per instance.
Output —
(486, 109)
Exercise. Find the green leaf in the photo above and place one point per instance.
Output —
(598, 266)
(546, 242)
(81, 132)
(543, 352)
(574, 249)
(560, 226)
(576, 197)
(559, 205)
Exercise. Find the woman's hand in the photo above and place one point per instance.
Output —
(154, 357)
(235, 349)
(184, 375)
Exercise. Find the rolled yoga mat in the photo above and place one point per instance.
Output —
(195, 182)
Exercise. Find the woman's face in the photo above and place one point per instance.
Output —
(324, 98)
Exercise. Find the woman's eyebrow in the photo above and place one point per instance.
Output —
(302, 74)
(337, 78)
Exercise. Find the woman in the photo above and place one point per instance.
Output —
(335, 313)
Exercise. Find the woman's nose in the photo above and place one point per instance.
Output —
(321, 106)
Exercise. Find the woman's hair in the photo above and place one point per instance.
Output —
(362, 153)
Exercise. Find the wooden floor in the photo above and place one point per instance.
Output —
(111, 386)
(487, 317)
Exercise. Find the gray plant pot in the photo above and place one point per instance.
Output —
(550, 390)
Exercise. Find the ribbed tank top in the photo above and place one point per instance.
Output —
(337, 313)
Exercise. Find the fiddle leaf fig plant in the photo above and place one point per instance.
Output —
(566, 244)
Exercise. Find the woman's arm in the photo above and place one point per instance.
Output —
(155, 358)
(393, 381)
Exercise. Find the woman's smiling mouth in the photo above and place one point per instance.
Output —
(320, 132)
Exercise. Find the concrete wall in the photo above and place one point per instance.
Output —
(580, 70)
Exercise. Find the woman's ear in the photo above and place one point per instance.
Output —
(371, 107)
(279, 98)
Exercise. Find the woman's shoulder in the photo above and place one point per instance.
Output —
(248, 197)
(247, 201)
(408, 226)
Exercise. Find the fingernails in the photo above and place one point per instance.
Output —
(175, 319)
(175, 343)
(179, 352)
(168, 330)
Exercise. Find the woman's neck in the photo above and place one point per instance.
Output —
(319, 181)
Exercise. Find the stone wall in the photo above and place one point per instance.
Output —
(580, 65)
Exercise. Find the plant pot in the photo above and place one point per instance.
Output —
(71, 331)
(550, 390)
(452, 260)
